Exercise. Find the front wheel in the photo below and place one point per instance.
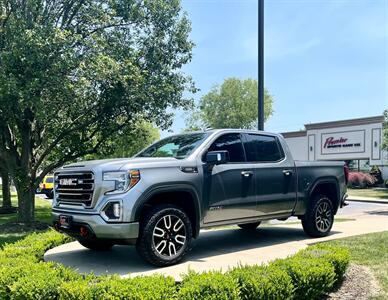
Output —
(319, 217)
(165, 235)
(249, 226)
(96, 245)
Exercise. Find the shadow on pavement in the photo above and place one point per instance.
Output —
(124, 259)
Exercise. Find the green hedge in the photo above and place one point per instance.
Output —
(307, 275)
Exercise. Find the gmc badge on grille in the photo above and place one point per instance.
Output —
(68, 181)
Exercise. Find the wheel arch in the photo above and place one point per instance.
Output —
(328, 186)
(182, 195)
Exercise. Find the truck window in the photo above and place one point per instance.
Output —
(232, 143)
(49, 179)
(178, 146)
(262, 148)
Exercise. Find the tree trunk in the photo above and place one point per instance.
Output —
(6, 190)
(26, 202)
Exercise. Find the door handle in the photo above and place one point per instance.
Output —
(246, 173)
(287, 172)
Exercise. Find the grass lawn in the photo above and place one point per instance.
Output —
(371, 193)
(42, 214)
(370, 250)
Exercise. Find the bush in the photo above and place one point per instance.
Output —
(307, 275)
(361, 180)
(263, 282)
(311, 277)
(210, 285)
(338, 257)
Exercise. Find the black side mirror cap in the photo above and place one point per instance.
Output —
(217, 157)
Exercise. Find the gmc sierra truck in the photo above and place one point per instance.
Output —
(159, 199)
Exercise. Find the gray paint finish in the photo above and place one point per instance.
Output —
(221, 194)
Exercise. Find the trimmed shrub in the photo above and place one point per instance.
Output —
(338, 257)
(142, 287)
(311, 278)
(209, 285)
(361, 180)
(309, 274)
(263, 282)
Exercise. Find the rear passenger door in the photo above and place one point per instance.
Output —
(275, 177)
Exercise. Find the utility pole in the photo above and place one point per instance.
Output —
(260, 106)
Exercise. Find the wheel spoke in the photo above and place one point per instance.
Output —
(178, 225)
(159, 232)
(327, 223)
(180, 239)
(161, 245)
(171, 249)
(167, 221)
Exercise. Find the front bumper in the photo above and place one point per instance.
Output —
(98, 227)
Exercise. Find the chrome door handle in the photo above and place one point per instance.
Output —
(287, 172)
(246, 173)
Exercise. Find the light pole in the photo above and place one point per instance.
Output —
(260, 106)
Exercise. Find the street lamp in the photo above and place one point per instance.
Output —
(260, 106)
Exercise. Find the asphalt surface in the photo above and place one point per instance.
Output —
(224, 248)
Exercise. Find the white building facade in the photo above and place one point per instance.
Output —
(357, 141)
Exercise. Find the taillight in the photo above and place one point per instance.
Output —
(346, 172)
(44, 186)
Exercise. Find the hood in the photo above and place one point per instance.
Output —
(123, 163)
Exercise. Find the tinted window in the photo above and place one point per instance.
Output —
(262, 148)
(178, 146)
(232, 143)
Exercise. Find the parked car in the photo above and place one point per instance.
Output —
(161, 198)
(47, 186)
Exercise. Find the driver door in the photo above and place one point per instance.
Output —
(229, 187)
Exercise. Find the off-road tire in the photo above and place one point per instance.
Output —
(249, 226)
(319, 217)
(148, 242)
(96, 245)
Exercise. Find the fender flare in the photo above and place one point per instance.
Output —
(324, 180)
(165, 188)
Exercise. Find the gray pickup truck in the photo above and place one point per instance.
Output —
(161, 198)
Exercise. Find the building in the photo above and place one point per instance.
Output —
(357, 141)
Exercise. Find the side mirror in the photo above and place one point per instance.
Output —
(217, 157)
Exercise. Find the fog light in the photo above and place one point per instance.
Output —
(116, 210)
(112, 211)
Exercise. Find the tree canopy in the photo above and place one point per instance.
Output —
(233, 104)
(76, 74)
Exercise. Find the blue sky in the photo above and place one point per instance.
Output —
(324, 59)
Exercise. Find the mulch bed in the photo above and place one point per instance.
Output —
(359, 283)
(15, 227)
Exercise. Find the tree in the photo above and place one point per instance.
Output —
(385, 131)
(75, 75)
(231, 105)
(6, 204)
(142, 135)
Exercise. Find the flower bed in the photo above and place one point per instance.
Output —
(307, 275)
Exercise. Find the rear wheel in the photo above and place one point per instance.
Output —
(249, 226)
(319, 217)
(165, 235)
(96, 245)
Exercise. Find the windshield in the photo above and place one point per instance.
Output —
(178, 146)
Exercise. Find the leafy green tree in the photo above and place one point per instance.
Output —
(230, 105)
(75, 75)
(385, 131)
(129, 143)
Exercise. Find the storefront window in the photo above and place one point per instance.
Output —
(359, 165)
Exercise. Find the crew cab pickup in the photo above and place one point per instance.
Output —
(159, 199)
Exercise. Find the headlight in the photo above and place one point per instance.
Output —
(124, 180)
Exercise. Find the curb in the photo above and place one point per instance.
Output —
(376, 201)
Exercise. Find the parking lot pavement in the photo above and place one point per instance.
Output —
(224, 248)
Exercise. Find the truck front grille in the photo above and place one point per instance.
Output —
(74, 188)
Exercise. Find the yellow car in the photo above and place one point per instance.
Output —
(47, 186)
